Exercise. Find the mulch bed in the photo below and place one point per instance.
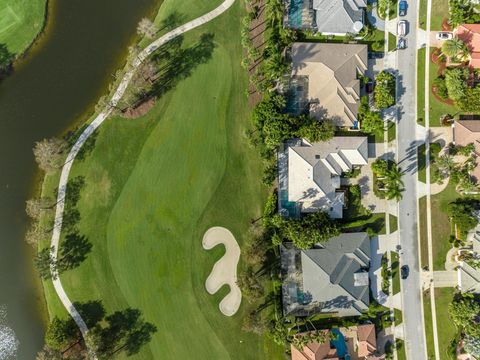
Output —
(445, 25)
(139, 110)
(447, 101)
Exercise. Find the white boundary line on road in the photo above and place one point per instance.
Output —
(90, 129)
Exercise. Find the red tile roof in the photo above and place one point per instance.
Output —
(470, 35)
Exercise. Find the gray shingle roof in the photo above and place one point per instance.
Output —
(338, 16)
(329, 274)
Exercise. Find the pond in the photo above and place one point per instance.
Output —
(55, 86)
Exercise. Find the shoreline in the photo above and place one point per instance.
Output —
(39, 178)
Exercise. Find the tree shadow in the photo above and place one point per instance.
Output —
(92, 312)
(74, 251)
(172, 21)
(176, 63)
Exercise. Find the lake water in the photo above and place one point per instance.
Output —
(57, 83)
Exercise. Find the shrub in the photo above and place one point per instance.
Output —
(384, 93)
(456, 83)
(441, 86)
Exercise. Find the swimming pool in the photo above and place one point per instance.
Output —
(295, 14)
(339, 343)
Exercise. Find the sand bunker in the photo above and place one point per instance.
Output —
(225, 270)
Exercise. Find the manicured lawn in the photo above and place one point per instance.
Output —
(391, 131)
(20, 22)
(439, 11)
(398, 316)
(422, 171)
(395, 272)
(393, 223)
(422, 14)
(421, 86)
(441, 226)
(422, 206)
(445, 327)
(427, 313)
(392, 42)
(401, 355)
(438, 108)
(153, 186)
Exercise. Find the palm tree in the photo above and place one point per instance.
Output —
(394, 193)
(455, 49)
(446, 163)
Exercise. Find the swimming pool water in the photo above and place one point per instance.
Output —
(339, 343)
(295, 13)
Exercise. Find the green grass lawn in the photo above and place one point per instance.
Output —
(20, 22)
(422, 171)
(422, 14)
(422, 206)
(393, 223)
(427, 314)
(392, 42)
(441, 226)
(391, 131)
(421, 86)
(401, 354)
(398, 316)
(438, 108)
(439, 11)
(445, 327)
(154, 185)
(395, 272)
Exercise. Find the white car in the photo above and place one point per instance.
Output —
(402, 28)
(444, 35)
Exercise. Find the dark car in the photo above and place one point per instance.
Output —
(402, 43)
(402, 8)
(375, 55)
(370, 87)
(404, 271)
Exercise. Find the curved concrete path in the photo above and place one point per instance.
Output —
(92, 127)
(224, 271)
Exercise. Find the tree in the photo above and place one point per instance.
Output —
(49, 154)
(316, 130)
(460, 212)
(455, 49)
(384, 93)
(472, 345)
(306, 231)
(44, 262)
(446, 163)
(34, 234)
(460, 12)
(61, 333)
(372, 122)
(254, 322)
(269, 172)
(48, 353)
(35, 207)
(464, 311)
(441, 87)
(147, 28)
(250, 285)
(6, 59)
(456, 82)
(270, 209)
(471, 100)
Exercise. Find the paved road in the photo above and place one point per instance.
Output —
(92, 127)
(407, 209)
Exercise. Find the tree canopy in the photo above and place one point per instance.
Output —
(384, 93)
(306, 231)
(460, 211)
(464, 312)
(456, 82)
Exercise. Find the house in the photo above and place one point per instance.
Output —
(468, 270)
(339, 17)
(467, 132)
(333, 72)
(330, 278)
(328, 17)
(314, 171)
(355, 342)
(470, 35)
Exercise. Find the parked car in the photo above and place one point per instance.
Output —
(402, 8)
(375, 55)
(404, 270)
(443, 35)
(402, 43)
(402, 28)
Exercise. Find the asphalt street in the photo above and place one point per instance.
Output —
(407, 209)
